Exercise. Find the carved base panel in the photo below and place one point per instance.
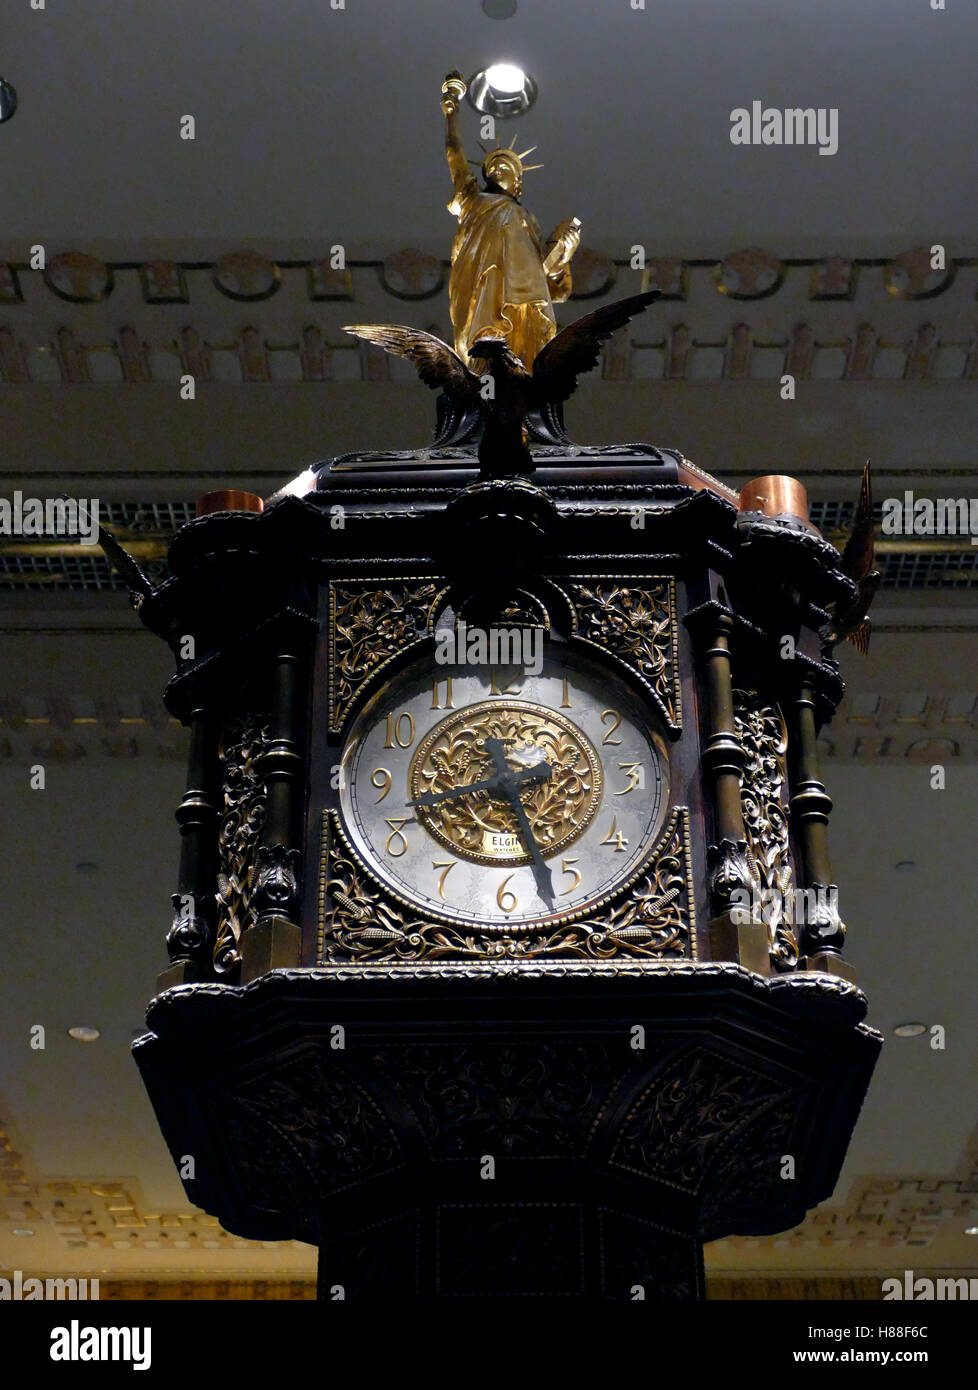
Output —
(570, 1131)
(513, 1250)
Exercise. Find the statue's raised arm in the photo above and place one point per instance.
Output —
(452, 92)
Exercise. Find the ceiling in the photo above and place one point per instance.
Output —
(317, 126)
(315, 122)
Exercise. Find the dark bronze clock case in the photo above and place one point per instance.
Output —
(576, 1116)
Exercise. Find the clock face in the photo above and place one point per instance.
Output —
(490, 795)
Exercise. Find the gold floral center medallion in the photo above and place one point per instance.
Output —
(482, 826)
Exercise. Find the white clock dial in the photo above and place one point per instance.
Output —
(568, 782)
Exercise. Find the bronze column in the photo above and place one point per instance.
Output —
(274, 939)
(822, 931)
(734, 934)
(190, 940)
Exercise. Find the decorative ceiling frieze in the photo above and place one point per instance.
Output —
(751, 316)
(66, 728)
(890, 1212)
(104, 1214)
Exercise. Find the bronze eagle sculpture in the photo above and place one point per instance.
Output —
(506, 392)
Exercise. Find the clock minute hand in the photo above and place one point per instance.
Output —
(509, 783)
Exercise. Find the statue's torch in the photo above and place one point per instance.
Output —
(454, 86)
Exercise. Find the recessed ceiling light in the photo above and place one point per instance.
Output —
(505, 79)
(502, 89)
(909, 1030)
(86, 868)
(21, 1231)
(905, 866)
(82, 1033)
(8, 100)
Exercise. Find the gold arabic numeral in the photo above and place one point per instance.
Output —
(446, 866)
(565, 868)
(397, 834)
(396, 737)
(512, 688)
(384, 785)
(613, 837)
(449, 702)
(565, 702)
(615, 717)
(636, 777)
(504, 894)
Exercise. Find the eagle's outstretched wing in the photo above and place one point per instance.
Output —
(857, 558)
(438, 365)
(576, 349)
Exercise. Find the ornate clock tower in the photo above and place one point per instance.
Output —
(506, 957)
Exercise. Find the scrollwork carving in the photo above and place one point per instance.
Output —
(651, 917)
(242, 816)
(320, 1116)
(636, 622)
(688, 1116)
(370, 623)
(761, 731)
(531, 1098)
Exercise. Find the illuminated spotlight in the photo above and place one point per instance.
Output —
(909, 1030)
(82, 1033)
(971, 1230)
(505, 79)
(8, 100)
(502, 90)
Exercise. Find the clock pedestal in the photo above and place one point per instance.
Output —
(490, 1135)
(501, 1106)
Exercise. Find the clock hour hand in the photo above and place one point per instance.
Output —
(488, 784)
(539, 772)
(509, 783)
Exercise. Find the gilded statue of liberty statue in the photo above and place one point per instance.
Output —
(510, 369)
(503, 286)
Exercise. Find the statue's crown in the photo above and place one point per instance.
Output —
(506, 154)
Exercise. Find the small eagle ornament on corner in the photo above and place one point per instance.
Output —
(850, 622)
